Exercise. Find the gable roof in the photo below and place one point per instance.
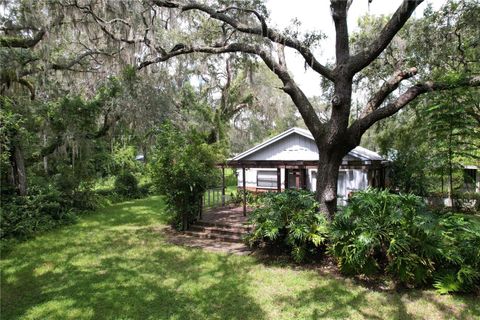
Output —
(361, 153)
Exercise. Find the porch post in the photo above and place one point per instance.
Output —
(200, 208)
(244, 192)
(286, 179)
(298, 179)
(279, 180)
(223, 186)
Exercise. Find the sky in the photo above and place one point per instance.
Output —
(315, 15)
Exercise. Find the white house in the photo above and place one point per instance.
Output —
(289, 160)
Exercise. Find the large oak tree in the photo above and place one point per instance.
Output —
(231, 27)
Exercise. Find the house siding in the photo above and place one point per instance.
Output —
(350, 180)
(292, 147)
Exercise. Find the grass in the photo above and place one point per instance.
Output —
(116, 264)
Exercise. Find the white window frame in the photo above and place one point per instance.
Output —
(271, 183)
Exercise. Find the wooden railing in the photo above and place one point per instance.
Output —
(214, 197)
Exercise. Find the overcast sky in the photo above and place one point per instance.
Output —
(315, 15)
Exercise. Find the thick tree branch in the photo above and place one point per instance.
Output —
(258, 15)
(396, 22)
(107, 123)
(59, 140)
(387, 87)
(66, 65)
(21, 42)
(339, 14)
(263, 31)
(361, 125)
(29, 86)
(69, 64)
(289, 86)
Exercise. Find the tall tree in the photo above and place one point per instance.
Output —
(249, 33)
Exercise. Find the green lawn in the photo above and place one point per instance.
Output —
(115, 265)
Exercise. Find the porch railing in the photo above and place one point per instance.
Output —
(214, 198)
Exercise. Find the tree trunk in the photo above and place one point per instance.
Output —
(327, 177)
(45, 159)
(19, 173)
(450, 170)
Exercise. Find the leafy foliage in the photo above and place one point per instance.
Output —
(459, 263)
(183, 168)
(291, 220)
(126, 184)
(380, 231)
(42, 210)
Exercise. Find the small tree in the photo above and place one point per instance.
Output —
(183, 168)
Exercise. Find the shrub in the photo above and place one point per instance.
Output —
(42, 210)
(379, 231)
(253, 199)
(458, 267)
(126, 185)
(183, 168)
(289, 220)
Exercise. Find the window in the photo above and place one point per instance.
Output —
(267, 179)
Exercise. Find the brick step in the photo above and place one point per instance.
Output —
(224, 225)
(221, 237)
(219, 230)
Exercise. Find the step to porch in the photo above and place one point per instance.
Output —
(213, 236)
(218, 231)
(225, 231)
(241, 227)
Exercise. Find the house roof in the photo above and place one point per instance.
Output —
(359, 152)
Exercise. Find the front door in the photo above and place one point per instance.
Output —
(296, 178)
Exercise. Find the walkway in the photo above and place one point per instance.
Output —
(219, 230)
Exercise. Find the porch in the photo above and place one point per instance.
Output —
(279, 175)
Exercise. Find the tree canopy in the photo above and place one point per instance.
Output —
(207, 63)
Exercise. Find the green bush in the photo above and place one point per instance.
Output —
(458, 266)
(289, 220)
(126, 185)
(380, 232)
(183, 168)
(253, 199)
(42, 210)
(383, 232)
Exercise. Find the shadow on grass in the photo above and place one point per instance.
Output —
(95, 270)
(114, 265)
(338, 299)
